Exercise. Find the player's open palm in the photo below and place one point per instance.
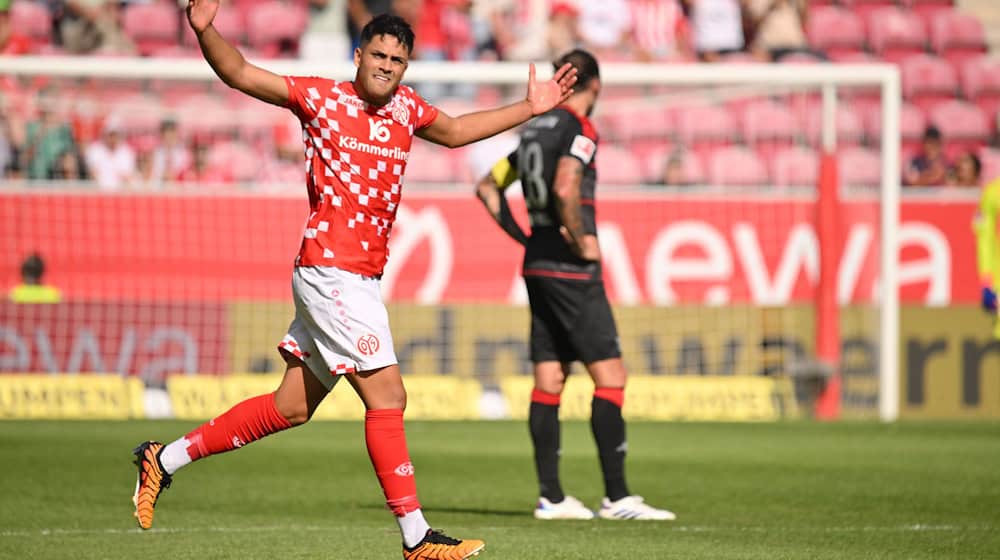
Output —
(546, 95)
(201, 13)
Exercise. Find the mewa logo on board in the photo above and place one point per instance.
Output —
(700, 252)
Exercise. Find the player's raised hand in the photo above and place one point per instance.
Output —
(201, 13)
(544, 96)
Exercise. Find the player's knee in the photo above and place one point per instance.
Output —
(296, 413)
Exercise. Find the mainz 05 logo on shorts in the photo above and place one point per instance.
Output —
(368, 344)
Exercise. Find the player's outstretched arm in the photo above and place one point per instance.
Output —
(541, 97)
(566, 187)
(491, 191)
(228, 63)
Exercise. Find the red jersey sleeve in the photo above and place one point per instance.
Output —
(426, 113)
(305, 94)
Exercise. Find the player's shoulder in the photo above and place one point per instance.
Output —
(576, 123)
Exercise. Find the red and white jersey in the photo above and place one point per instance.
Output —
(355, 158)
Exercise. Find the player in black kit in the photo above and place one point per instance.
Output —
(571, 318)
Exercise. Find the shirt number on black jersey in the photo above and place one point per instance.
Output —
(531, 170)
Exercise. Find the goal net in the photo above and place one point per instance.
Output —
(747, 217)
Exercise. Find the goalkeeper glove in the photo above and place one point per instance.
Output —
(989, 299)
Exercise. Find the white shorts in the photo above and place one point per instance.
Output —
(340, 326)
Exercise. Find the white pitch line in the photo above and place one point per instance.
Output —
(913, 528)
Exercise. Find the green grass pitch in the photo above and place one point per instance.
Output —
(746, 491)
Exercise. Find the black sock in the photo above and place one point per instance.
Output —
(543, 420)
(609, 432)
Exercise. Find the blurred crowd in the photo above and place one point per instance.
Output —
(45, 137)
(645, 30)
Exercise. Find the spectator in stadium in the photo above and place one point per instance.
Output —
(564, 32)
(110, 160)
(200, 169)
(716, 27)
(571, 318)
(605, 28)
(660, 31)
(11, 41)
(69, 167)
(91, 26)
(8, 154)
(326, 37)
(776, 28)
(170, 156)
(445, 31)
(929, 167)
(32, 289)
(45, 138)
(673, 171)
(967, 171)
(364, 128)
(360, 12)
(519, 28)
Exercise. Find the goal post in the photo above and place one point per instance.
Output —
(638, 230)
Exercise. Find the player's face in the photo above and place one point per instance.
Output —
(381, 64)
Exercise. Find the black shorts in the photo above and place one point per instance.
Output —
(571, 321)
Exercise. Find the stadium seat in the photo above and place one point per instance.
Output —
(768, 127)
(274, 27)
(895, 33)
(795, 166)
(652, 122)
(737, 165)
(865, 7)
(957, 37)
(835, 31)
(980, 80)
(33, 20)
(705, 128)
(963, 127)
(912, 124)
(927, 10)
(152, 26)
(618, 166)
(928, 80)
(859, 167)
(850, 129)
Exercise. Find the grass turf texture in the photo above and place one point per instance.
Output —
(768, 491)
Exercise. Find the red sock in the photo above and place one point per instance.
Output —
(246, 422)
(386, 441)
(541, 397)
(614, 395)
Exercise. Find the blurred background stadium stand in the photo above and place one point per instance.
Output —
(198, 137)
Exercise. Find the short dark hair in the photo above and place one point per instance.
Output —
(32, 268)
(585, 64)
(932, 133)
(386, 24)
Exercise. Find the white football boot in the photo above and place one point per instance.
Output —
(632, 507)
(569, 508)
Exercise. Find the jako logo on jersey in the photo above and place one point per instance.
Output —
(406, 469)
(368, 344)
(377, 129)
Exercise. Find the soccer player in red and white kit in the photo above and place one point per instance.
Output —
(357, 137)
